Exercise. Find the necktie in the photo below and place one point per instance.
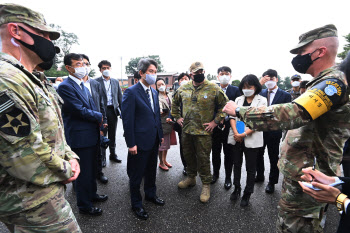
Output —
(268, 97)
(149, 98)
(83, 89)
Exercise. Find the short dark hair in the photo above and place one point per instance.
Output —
(182, 75)
(303, 84)
(137, 75)
(345, 67)
(158, 79)
(85, 57)
(225, 69)
(251, 80)
(67, 60)
(271, 73)
(144, 63)
(104, 62)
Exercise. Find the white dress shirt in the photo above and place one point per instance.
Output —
(108, 85)
(88, 85)
(272, 95)
(78, 81)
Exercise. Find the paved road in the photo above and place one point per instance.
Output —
(183, 211)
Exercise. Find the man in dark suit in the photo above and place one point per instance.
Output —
(95, 90)
(272, 139)
(112, 98)
(82, 122)
(143, 135)
(220, 133)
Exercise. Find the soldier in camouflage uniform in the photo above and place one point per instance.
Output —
(199, 99)
(295, 90)
(318, 124)
(35, 160)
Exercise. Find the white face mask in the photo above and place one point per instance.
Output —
(184, 82)
(80, 72)
(248, 92)
(270, 84)
(161, 88)
(224, 79)
(58, 82)
(88, 69)
(106, 73)
(295, 84)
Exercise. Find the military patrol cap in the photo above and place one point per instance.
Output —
(322, 32)
(196, 66)
(295, 77)
(13, 13)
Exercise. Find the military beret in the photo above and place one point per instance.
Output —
(196, 66)
(13, 13)
(322, 32)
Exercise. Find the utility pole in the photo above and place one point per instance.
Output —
(121, 70)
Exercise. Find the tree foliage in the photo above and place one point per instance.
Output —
(235, 83)
(284, 83)
(211, 77)
(132, 64)
(346, 47)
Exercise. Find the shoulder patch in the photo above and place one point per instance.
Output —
(13, 120)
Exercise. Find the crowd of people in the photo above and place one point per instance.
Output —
(52, 135)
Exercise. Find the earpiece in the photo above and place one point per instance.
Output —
(14, 42)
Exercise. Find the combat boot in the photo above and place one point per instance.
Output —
(187, 182)
(205, 195)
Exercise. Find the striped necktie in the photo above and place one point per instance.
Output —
(149, 98)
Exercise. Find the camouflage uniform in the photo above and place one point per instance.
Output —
(34, 155)
(294, 94)
(322, 137)
(198, 107)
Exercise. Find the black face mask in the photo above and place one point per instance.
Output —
(42, 47)
(301, 63)
(198, 78)
(46, 65)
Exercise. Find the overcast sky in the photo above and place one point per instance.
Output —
(248, 36)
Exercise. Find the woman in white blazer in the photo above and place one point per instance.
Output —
(247, 142)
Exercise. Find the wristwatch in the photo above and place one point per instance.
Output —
(340, 201)
(237, 112)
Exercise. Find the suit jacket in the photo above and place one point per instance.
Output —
(80, 115)
(344, 224)
(256, 139)
(281, 97)
(232, 92)
(116, 94)
(163, 104)
(97, 96)
(142, 126)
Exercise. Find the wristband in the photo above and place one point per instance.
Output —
(340, 201)
(245, 134)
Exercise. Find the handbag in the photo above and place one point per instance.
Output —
(173, 140)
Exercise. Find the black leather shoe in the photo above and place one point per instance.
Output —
(236, 193)
(115, 158)
(184, 172)
(100, 198)
(214, 179)
(140, 213)
(259, 179)
(103, 179)
(270, 188)
(245, 199)
(93, 211)
(228, 184)
(156, 200)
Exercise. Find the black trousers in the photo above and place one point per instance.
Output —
(179, 132)
(219, 140)
(272, 141)
(143, 165)
(85, 184)
(112, 121)
(250, 164)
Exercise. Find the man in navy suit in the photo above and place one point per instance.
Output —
(272, 139)
(220, 133)
(143, 135)
(82, 123)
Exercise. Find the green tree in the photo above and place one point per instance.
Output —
(287, 83)
(346, 47)
(211, 77)
(55, 72)
(132, 64)
(235, 83)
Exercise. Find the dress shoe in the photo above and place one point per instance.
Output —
(93, 211)
(163, 167)
(228, 184)
(214, 179)
(156, 200)
(140, 213)
(236, 193)
(245, 199)
(103, 179)
(168, 165)
(100, 198)
(259, 179)
(115, 158)
(270, 188)
(184, 172)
